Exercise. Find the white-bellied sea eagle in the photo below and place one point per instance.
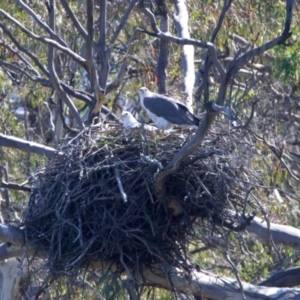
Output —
(165, 111)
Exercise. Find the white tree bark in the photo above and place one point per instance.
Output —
(181, 20)
(10, 277)
(206, 285)
(281, 234)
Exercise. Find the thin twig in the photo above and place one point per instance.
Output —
(123, 194)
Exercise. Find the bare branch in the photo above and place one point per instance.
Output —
(54, 78)
(23, 49)
(122, 72)
(99, 93)
(226, 6)
(163, 58)
(209, 286)
(187, 57)
(286, 278)
(43, 25)
(14, 186)
(183, 153)
(48, 41)
(285, 35)
(74, 19)
(186, 41)
(104, 57)
(27, 64)
(121, 24)
(31, 147)
(281, 234)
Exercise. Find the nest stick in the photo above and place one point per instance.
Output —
(123, 194)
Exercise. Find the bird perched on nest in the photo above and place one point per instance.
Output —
(130, 122)
(165, 111)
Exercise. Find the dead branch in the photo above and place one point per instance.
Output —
(209, 286)
(187, 57)
(103, 56)
(32, 147)
(43, 25)
(14, 186)
(53, 75)
(48, 41)
(285, 278)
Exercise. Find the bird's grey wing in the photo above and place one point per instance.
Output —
(170, 110)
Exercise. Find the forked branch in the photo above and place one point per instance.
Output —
(225, 77)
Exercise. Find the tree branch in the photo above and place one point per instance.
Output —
(209, 286)
(187, 56)
(281, 234)
(74, 19)
(234, 66)
(104, 57)
(99, 93)
(183, 153)
(121, 24)
(41, 24)
(54, 78)
(31, 147)
(48, 41)
(14, 186)
(285, 278)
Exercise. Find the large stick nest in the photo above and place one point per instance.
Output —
(97, 201)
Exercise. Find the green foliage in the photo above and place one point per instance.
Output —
(287, 63)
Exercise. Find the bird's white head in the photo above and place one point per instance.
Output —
(126, 115)
(128, 119)
(143, 91)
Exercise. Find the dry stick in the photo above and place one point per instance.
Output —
(92, 69)
(42, 24)
(225, 78)
(14, 186)
(42, 39)
(234, 268)
(74, 19)
(24, 50)
(5, 193)
(31, 147)
(17, 53)
(123, 194)
(54, 78)
(186, 150)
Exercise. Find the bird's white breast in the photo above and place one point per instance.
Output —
(159, 122)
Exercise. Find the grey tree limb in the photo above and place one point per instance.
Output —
(209, 286)
(281, 234)
(285, 278)
(121, 24)
(27, 146)
(48, 41)
(14, 186)
(99, 92)
(74, 19)
(187, 56)
(54, 78)
(117, 81)
(28, 65)
(103, 55)
(225, 76)
(205, 67)
(234, 66)
(24, 50)
(42, 24)
(164, 53)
